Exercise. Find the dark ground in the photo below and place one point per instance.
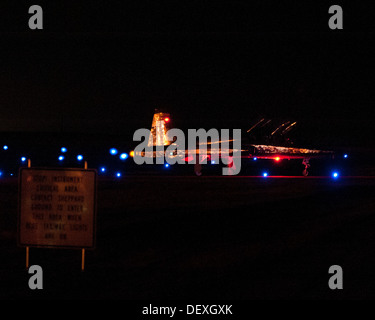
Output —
(237, 238)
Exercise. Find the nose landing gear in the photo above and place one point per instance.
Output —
(306, 163)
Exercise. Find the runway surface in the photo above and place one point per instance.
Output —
(187, 237)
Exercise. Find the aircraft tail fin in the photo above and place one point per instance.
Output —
(159, 127)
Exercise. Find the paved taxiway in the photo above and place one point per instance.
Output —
(166, 237)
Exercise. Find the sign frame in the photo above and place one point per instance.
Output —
(94, 218)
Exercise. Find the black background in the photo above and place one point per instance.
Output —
(104, 66)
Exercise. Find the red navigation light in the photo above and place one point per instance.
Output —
(166, 119)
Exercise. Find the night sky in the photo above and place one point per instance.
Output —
(106, 66)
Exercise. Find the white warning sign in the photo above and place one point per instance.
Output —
(57, 208)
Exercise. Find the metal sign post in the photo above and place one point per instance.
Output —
(83, 249)
(27, 248)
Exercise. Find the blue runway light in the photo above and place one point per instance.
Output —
(79, 157)
(5, 147)
(123, 156)
(23, 159)
(63, 150)
(61, 158)
(113, 151)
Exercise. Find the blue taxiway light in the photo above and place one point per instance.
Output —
(79, 157)
(265, 174)
(23, 159)
(102, 169)
(345, 155)
(113, 151)
(61, 158)
(255, 158)
(63, 150)
(167, 165)
(5, 147)
(335, 175)
(124, 156)
(118, 174)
